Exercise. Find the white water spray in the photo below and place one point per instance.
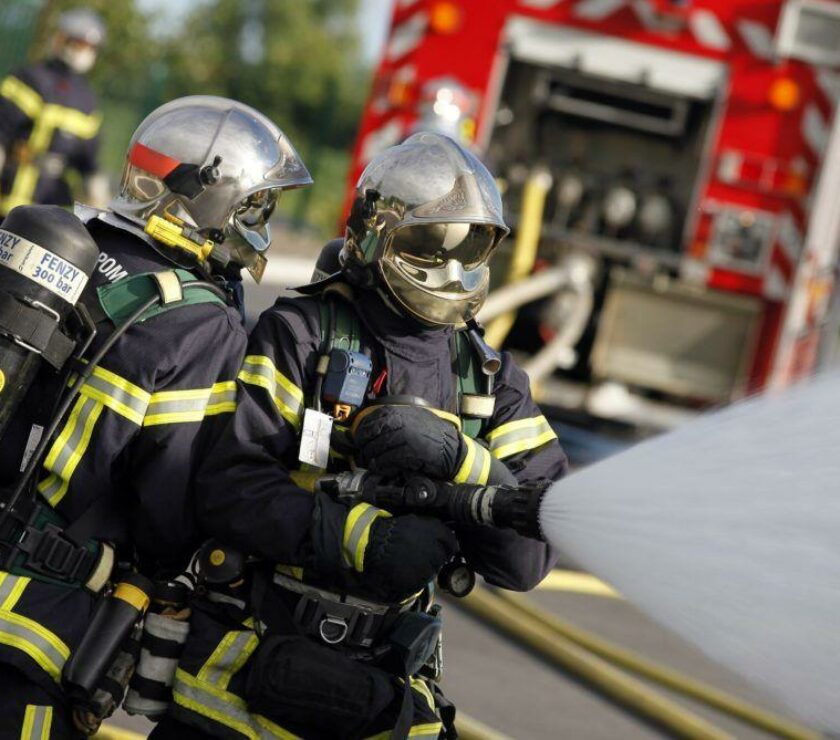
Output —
(727, 531)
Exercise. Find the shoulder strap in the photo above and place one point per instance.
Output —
(476, 401)
(123, 297)
(340, 326)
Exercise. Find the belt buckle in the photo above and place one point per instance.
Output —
(332, 629)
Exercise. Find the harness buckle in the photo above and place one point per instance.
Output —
(333, 629)
(50, 554)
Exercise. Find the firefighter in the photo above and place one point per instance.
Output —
(201, 177)
(50, 119)
(336, 638)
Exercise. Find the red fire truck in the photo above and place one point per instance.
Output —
(671, 174)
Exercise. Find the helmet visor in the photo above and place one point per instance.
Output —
(432, 246)
(438, 271)
(250, 219)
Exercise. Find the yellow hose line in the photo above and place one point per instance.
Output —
(605, 677)
(666, 677)
(524, 249)
(469, 728)
(579, 583)
(106, 732)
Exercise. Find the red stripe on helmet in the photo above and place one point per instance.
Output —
(151, 161)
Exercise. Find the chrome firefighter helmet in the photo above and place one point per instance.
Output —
(80, 34)
(212, 168)
(426, 218)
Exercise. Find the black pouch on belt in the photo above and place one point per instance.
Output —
(313, 690)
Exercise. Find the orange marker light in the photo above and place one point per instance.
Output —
(784, 94)
(445, 18)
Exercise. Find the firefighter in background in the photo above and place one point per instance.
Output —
(50, 120)
(414, 267)
(201, 178)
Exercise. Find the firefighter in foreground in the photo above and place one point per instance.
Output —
(50, 118)
(201, 178)
(338, 635)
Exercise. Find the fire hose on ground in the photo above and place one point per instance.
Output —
(605, 678)
(597, 661)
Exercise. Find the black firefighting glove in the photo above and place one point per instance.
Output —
(393, 440)
(403, 554)
(400, 440)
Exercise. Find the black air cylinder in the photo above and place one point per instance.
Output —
(46, 259)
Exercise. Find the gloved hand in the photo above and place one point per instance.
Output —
(404, 553)
(393, 440)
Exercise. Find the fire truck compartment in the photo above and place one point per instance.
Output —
(622, 127)
(665, 336)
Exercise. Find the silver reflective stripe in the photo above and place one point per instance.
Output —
(7, 583)
(259, 370)
(49, 489)
(117, 394)
(222, 395)
(87, 405)
(40, 719)
(224, 708)
(520, 436)
(218, 669)
(480, 467)
(16, 632)
(353, 540)
(475, 468)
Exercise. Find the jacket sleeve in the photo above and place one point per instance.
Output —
(20, 105)
(248, 497)
(519, 436)
(138, 428)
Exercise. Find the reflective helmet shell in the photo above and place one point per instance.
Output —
(199, 159)
(427, 180)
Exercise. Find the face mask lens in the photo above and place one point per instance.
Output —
(433, 245)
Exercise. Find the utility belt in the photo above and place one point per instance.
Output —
(341, 621)
(34, 542)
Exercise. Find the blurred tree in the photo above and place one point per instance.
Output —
(297, 62)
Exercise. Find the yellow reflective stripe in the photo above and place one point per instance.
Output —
(357, 533)
(23, 187)
(67, 120)
(23, 96)
(191, 405)
(306, 479)
(420, 686)
(118, 394)
(37, 722)
(28, 722)
(223, 707)
(476, 466)
(446, 416)
(293, 571)
(228, 657)
(426, 731)
(11, 589)
(72, 121)
(45, 648)
(67, 451)
(520, 435)
(288, 398)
